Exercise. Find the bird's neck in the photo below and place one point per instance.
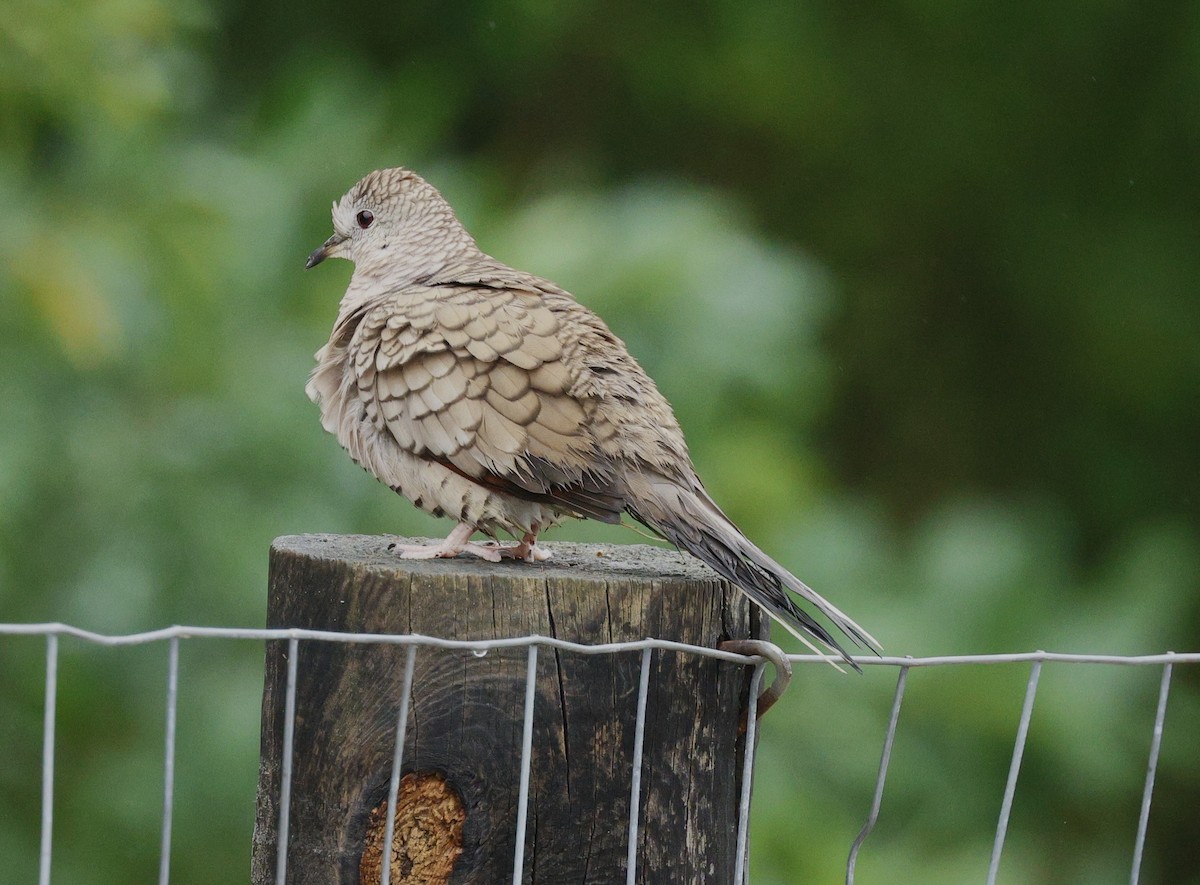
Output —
(406, 265)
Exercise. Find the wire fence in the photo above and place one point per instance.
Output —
(764, 654)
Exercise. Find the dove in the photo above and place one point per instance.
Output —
(491, 396)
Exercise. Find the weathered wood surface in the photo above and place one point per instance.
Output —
(458, 802)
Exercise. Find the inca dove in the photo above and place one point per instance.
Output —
(491, 396)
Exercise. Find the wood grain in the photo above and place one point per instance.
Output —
(465, 721)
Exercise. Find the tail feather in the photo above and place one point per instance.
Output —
(691, 520)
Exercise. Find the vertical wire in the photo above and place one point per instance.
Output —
(51, 707)
(526, 755)
(884, 761)
(1013, 770)
(389, 830)
(741, 869)
(635, 788)
(164, 866)
(285, 785)
(1151, 769)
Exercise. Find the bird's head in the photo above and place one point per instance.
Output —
(393, 222)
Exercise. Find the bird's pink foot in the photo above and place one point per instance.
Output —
(442, 550)
(457, 542)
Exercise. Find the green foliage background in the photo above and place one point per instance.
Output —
(921, 279)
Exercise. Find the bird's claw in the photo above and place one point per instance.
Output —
(526, 552)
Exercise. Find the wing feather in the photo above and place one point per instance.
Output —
(476, 379)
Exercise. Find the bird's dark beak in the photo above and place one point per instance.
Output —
(328, 248)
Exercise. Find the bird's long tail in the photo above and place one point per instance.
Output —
(689, 519)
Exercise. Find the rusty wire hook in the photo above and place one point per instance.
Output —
(774, 654)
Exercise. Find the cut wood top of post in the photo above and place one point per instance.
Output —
(598, 561)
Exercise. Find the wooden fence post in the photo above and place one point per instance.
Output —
(457, 806)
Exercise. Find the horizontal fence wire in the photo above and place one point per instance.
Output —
(276, 633)
(772, 655)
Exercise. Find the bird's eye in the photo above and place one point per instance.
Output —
(365, 218)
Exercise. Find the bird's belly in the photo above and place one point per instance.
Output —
(442, 492)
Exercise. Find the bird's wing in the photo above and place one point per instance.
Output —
(474, 378)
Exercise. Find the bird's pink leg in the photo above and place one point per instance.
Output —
(458, 541)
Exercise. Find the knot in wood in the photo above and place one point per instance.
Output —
(427, 836)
